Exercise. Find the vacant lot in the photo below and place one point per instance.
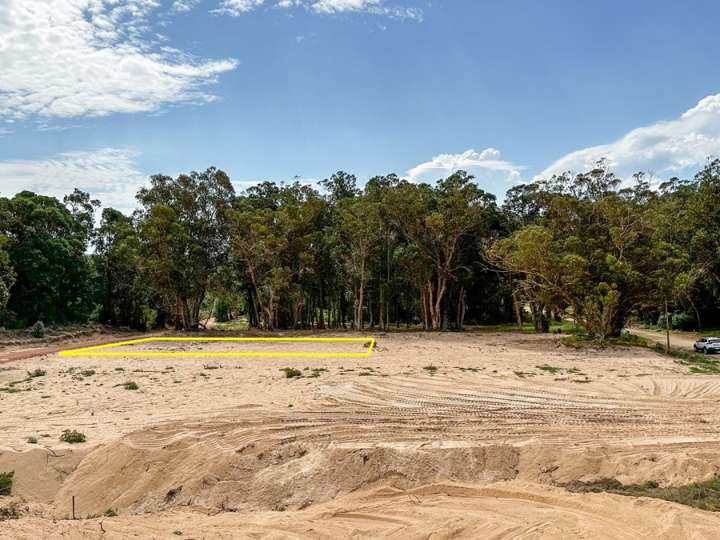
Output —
(451, 435)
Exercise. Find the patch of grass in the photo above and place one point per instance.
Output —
(431, 369)
(36, 373)
(110, 513)
(523, 374)
(211, 366)
(316, 372)
(87, 372)
(697, 363)
(72, 436)
(584, 341)
(129, 385)
(119, 369)
(549, 369)
(6, 482)
(702, 495)
(291, 373)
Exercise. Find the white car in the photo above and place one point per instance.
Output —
(707, 345)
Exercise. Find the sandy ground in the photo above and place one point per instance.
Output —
(433, 436)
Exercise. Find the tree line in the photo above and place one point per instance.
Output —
(391, 253)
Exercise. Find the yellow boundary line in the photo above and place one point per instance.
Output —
(94, 348)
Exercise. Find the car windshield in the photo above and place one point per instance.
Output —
(714, 340)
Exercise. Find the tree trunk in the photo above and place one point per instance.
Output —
(518, 314)
(697, 313)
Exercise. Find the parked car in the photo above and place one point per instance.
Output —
(707, 345)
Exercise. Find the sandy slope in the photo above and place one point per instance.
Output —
(442, 510)
(353, 449)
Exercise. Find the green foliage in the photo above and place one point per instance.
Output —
(703, 495)
(46, 244)
(126, 296)
(38, 330)
(291, 373)
(183, 238)
(110, 512)
(582, 246)
(6, 482)
(72, 436)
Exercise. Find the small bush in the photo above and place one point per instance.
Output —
(110, 513)
(6, 481)
(72, 436)
(38, 330)
(31, 440)
(11, 511)
(431, 369)
(291, 373)
(87, 372)
(130, 385)
(36, 373)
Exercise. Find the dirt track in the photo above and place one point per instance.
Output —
(377, 447)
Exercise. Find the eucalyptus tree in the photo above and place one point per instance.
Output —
(435, 220)
(184, 237)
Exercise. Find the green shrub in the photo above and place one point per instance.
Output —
(6, 482)
(72, 436)
(38, 330)
(222, 309)
(678, 321)
(291, 373)
(110, 513)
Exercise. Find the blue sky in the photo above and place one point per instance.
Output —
(101, 93)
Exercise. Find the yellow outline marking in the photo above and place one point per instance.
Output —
(91, 350)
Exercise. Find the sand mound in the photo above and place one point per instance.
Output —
(440, 511)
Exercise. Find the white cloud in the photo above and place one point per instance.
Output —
(493, 173)
(664, 149)
(110, 175)
(235, 8)
(182, 6)
(73, 58)
(327, 7)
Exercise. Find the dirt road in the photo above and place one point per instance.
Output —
(677, 340)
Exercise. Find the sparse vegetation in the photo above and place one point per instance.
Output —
(6, 482)
(10, 511)
(431, 369)
(549, 369)
(130, 385)
(703, 495)
(87, 372)
(36, 373)
(31, 440)
(72, 436)
(110, 513)
(291, 373)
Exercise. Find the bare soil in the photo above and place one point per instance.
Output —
(434, 435)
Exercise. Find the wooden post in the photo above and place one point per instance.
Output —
(73, 506)
(667, 328)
